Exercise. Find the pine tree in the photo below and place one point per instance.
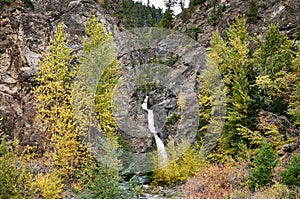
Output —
(261, 175)
(290, 176)
(272, 59)
(167, 20)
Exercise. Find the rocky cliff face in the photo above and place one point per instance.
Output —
(283, 13)
(24, 37)
(25, 33)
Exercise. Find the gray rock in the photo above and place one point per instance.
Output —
(24, 38)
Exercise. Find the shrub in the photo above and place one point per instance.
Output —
(173, 118)
(264, 163)
(189, 31)
(49, 186)
(15, 178)
(179, 167)
(291, 174)
(276, 191)
(217, 182)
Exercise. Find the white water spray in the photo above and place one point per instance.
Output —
(159, 144)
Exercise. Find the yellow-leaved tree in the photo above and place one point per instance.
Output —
(54, 105)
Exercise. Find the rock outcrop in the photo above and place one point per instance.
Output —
(285, 14)
(24, 37)
(168, 62)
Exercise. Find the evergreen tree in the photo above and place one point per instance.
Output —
(261, 175)
(272, 60)
(167, 20)
(135, 14)
(253, 10)
(290, 176)
(255, 79)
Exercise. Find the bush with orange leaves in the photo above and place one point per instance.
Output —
(217, 182)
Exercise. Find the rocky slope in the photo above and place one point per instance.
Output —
(24, 37)
(25, 33)
(283, 13)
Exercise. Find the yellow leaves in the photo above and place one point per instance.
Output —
(183, 162)
(15, 178)
(53, 96)
(49, 186)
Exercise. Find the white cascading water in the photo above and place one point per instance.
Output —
(159, 144)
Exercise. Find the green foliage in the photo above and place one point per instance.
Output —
(197, 2)
(205, 103)
(264, 162)
(298, 33)
(256, 78)
(15, 178)
(272, 58)
(253, 10)
(173, 118)
(167, 20)
(125, 144)
(100, 182)
(186, 12)
(102, 178)
(189, 31)
(172, 59)
(231, 58)
(7, 1)
(134, 14)
(178, 167)
(291, 174)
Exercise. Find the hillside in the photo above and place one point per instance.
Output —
(204, 17)
(97, 100)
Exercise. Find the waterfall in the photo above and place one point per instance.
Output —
(159, 144)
